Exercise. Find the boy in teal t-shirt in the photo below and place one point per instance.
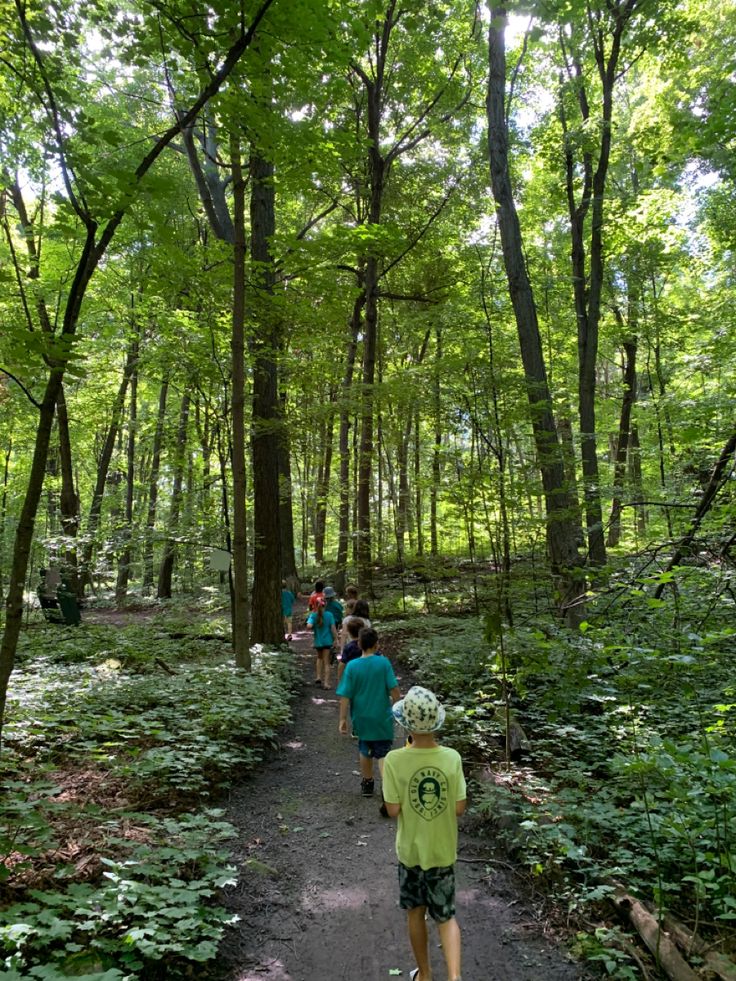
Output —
(368, 687)
(424, 786)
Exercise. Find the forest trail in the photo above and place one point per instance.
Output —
(317, 895)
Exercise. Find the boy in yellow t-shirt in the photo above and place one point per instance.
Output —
(424, 786)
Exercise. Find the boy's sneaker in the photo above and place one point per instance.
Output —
(366, 787)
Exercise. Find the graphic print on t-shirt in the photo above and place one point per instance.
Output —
(428, 792)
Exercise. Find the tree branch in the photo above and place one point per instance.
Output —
(21, 386)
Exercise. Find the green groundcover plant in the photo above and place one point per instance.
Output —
(116, 741)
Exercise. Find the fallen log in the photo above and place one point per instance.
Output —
(690, 942)
(657, 940)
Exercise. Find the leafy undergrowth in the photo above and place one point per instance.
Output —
(117, 744)
(624, 768)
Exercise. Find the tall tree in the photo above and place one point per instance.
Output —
(561, 530)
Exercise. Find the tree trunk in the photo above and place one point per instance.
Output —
(153, 488)
(266, 619)
(418, 482)
(24, 535)
(323, 484)
(124, 560)
(166, 570)
(103, 465)
(69, 502)
(239, 565)
(4, 513)
(344, 435)
(289, 571)
(622, 444)
(636, 479)
(437, 449)
(366, 446)
(560, 526)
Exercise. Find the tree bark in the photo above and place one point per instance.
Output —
(266, 619)
(239, 565)
(166, 569)
(69, 502)
(124, 560)
(323, 484)
(289, 571)
(437, 449)
(344, 435)
(153, 487)
(622, 444)
(560, 526)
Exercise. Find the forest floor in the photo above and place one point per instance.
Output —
(317, 898)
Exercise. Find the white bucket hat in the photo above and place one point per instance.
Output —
(419, 711)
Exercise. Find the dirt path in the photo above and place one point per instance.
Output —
(317, 897)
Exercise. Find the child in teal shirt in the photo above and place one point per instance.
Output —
(287, 605)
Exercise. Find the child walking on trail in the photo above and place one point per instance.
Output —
(287, 606)
(351, 597)
(361, 611)
(352, 649)
(325, 635)
(317, 596)
(368, 688)
(333, 606)
(424, 786)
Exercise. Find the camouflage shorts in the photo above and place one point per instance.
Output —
(432, 888)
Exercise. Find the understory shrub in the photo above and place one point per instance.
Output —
(629, 771)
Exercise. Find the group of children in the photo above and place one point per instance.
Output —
(423, 784)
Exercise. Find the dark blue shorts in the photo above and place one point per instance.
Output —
(433, 889)
(375, 749)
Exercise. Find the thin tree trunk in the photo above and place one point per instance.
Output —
(4, 512)
(344, 434)
(24, 534)
(289, 570)
(323, 484)
(418, 483)
(121, 587)
(153, 487)
(69, 501)
(222, 456)
(437, 449)
(636, 479)
(622, 444)
(103, 465)
(166, 569)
